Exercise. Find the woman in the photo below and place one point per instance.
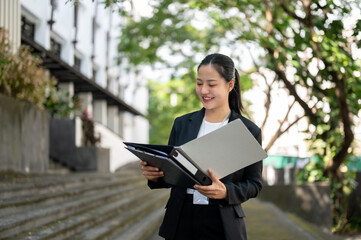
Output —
(214, 211)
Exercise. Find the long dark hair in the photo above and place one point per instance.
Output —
(225, 67)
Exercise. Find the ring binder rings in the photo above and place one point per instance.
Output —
(225, 150)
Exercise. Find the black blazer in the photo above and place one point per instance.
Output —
(243, 184)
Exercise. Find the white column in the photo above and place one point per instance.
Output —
(10, 20)
(67, 87)
(121, 124)
(78, 132)
(86, 100)
(113, 119)
(100, 111)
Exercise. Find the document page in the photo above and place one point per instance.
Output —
(225, 150)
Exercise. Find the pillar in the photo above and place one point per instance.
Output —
(100, 112)
(113, 119)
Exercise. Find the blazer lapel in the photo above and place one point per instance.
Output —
(195, 122)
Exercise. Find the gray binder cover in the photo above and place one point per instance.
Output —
(228, 149)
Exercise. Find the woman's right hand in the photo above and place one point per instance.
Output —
(151, 173)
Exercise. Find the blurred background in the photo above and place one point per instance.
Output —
(77, 78)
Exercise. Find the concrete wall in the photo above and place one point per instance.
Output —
(24, 136)
(309, 201)
(119, 156)
(92, 158)
(62, 142)
(287, 176)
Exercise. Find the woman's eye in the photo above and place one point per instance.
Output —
(212, 85)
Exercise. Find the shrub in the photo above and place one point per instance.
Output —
(21, 74)
(60, 105)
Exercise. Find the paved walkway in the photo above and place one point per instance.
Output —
(265, 221)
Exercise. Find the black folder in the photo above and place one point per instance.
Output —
(225, 150)
(177, 170)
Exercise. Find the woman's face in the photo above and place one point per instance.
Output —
(212, 89)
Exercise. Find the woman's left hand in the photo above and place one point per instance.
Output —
(217, 190)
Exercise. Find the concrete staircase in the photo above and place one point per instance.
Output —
(80, 206)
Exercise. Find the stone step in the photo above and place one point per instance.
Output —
(117, 224)
(18, 204)
(74, 226)
(155, 235)
(144, 227)
(56, 167)
(20, 222)
(86, 205)
(34, 185)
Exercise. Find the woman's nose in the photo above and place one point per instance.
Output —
(204, 90)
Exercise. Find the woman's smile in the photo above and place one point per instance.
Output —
(207, 99)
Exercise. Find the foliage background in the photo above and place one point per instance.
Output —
(305, 43)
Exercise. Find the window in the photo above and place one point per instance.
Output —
(55, 47)
(27, 28)
(77, 63)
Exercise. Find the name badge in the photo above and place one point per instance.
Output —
(199, 199)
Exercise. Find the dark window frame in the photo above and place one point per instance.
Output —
(77, 63)
(55, 47)
(27, 28)
(94, 72)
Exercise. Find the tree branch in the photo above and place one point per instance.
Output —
(269, 18)
(291, 88)
(279, 132)
(338, 159)
(267, 92)
(267, 104)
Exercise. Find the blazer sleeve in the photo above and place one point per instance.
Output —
(250, 184)
(161, 183)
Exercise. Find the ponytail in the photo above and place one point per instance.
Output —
(234, 97)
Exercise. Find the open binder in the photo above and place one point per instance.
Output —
(225, 150)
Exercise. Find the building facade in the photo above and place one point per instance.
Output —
(77, 41)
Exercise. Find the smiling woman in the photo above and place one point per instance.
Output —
(218, 86)
(214, 211)
(213, 91)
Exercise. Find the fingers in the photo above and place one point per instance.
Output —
(150, 168)
(204, 189)
(216, 190)
(146, 167)
(151, 173)
(213, 177)
(212, 192)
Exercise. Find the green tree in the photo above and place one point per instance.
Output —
(304, 42)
